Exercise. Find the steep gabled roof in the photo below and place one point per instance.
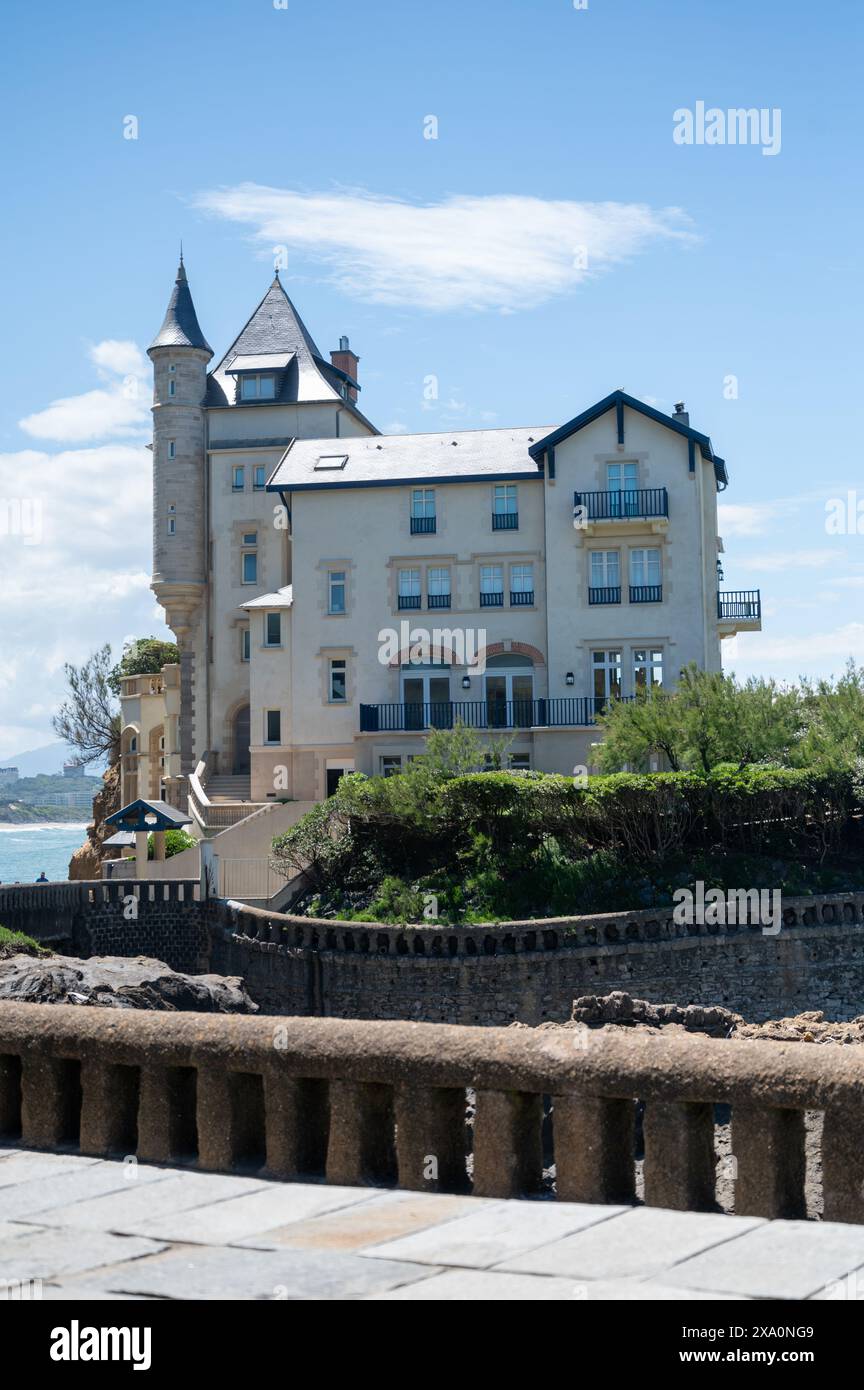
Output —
(276, 328)
(180, 327)
(618, 400)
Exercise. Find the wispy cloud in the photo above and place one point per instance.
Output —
(121, 407)
(501, 252)
(792, 559)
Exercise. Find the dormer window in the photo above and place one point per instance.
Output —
(257, 388)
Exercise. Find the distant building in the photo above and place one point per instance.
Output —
(8, 774)
(73, 770)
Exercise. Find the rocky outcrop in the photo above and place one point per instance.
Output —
(618, 1007)
(116, 982)
(86, 862)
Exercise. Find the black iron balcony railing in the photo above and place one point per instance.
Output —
(612, 595)
(740, 603)
(424, 525)
(579, 710)
(495, 600)
(521, 598)
(505, 521)
(409, 600)
(617, 504)
(438, 601)
(646, 593)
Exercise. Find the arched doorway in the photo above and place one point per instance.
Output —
(240, 742)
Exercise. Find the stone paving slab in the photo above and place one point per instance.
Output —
(499, 1232)
(783, 1259)
(219, 1273)
(44, 1254)
(384, 1218)
(16, 1166)
(88, 1231)
(223, 1223)
(132, 1205)
(639, 1242)
(25, 1199)
(462, 1285)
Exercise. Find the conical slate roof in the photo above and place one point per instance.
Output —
(180, 327)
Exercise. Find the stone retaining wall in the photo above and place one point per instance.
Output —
(163, 919)
(531, 971)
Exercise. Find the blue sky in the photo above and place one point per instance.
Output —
(457, 257)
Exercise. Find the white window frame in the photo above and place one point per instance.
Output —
(336, 666)
(238, 470)
(505, 499)
(609, 666)
(522, 577)
(488, 584)
(423, 501)
(639, 560)
(337, 579)
(251, 387)
(245, 644)
(268, 641)
(604, 565)
(650, 661)
(410, 583)
(437, 586)
(259, 469)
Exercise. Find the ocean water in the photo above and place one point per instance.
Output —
(27, 850)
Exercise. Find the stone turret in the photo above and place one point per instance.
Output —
(180, 354)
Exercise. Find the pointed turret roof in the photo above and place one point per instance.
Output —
(277, 328)
(180, 327)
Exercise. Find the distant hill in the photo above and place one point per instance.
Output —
(47, 760)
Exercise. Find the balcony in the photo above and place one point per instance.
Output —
(424, 525)
(409, 601)
(521, 598)
(495, 600)
(630, 509)
(740, 610)
(646, 593)
(612, 595)
(438, 601)
(505, 521)
(569, 712)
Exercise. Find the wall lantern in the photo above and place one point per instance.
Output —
(466, 682)
(569, 679)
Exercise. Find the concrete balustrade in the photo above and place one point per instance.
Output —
(386, 1103)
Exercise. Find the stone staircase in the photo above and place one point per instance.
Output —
(224, 788)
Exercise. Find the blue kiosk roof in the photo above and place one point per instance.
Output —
(148, 815)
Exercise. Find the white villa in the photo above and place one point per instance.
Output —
(300, 556)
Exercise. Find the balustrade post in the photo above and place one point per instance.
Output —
(167, 1128)
(295, 1111)
(360, 1147)
(109, 1108)
(430, 1138)
(50, 1101)
(508, 1153)
(594, 1141)
(768, 1158)
(679, 1156)
(843, 1164)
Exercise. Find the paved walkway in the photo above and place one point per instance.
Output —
(89, 1229)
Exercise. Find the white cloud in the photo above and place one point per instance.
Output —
(120, 408)
(737, 519)
(75, 556)
(502, 251)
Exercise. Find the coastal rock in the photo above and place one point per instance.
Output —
(117, 982)
(86, 861)
(620, 1008)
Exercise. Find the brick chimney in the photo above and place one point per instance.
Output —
(346, 361)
